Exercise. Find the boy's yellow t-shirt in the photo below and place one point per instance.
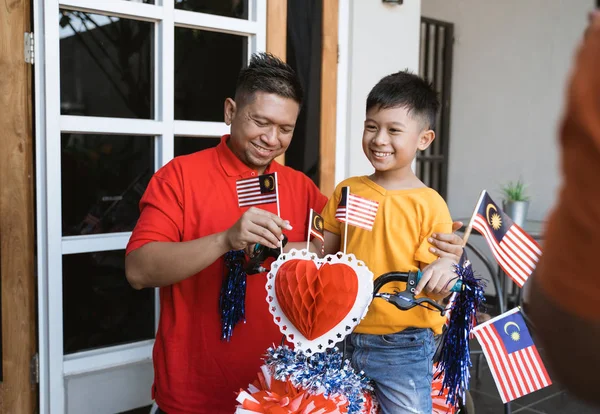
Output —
(398, 242)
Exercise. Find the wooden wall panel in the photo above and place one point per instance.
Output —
(277, 35)
(17, 393)
(328, 96)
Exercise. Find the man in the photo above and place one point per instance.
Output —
(564, 297)
(190, 219)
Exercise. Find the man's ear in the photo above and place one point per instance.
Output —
(230, 109)
(426, 139)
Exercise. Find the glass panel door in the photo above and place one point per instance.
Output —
(121, 88)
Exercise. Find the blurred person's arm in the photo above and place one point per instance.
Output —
(563, 296)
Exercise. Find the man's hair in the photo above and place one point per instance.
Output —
(406, 90)
(269, 74)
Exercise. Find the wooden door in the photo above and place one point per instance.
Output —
(276, 44)
(17, 282)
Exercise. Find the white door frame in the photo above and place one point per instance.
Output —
(55, 367)
(343, 90)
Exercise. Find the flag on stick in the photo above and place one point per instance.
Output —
(257, 190)
(355, 210)
(316, 229)
(516, 252)
(512, 356)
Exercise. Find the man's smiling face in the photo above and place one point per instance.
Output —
(261, 128)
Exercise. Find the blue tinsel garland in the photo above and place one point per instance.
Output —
(455, 356)
(233, 293)
(324, 372)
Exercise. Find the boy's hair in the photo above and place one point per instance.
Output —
(406, 90)
(269, 74)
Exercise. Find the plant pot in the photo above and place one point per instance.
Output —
(516, 210)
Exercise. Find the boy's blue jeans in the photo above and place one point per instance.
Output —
(401, 365)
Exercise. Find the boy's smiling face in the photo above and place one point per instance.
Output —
(392, 137)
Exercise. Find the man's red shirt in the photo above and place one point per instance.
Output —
(191, 197)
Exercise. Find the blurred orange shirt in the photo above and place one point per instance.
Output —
(568, 270)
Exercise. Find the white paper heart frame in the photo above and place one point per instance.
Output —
(346, 325)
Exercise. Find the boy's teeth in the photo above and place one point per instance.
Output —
(381, 154)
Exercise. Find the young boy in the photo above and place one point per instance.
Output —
(395, 348)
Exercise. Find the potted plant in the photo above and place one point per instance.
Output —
(516, 201)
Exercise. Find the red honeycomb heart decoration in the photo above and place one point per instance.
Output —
(315, 299)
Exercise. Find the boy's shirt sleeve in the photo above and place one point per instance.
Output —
(328, 214)
(436, 219)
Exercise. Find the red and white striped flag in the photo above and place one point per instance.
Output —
(516, 252)
(439, 395)
(257, 190)
(316, 228)
(512, 356)
(357, 211)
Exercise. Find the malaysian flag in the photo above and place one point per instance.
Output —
(316, 226)
(257, 190)
(357, 211)
(514, 360)
(439, 395)
(516, 252)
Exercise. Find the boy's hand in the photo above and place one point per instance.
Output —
(447, 245)
(438, 277)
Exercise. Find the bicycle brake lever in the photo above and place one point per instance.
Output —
(407, 277)
(401, 300)
(433, 303)
(405, 300)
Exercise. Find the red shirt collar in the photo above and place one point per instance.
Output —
(232, 165)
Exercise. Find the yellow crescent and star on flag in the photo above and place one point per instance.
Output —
(318, 223)
(492, 216)
(269, 183)
(515, 333)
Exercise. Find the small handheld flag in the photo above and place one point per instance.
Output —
(512, 356)
(516, 252)
(257, 190)
(316, 229)
(355, 210)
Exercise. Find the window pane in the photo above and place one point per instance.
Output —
(189, 145)
(106, 66)
(99, 307)
(103, 179)
(206, 69)
(229, 8)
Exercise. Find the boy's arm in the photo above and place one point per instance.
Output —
(332, 242)
(448, 245)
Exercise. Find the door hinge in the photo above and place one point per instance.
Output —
(29, 47)
(35, 369)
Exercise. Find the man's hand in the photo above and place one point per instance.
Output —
(438, 277)
(256, 226)
(447, 245)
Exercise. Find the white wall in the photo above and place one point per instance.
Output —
(511, 61)
(382, 39)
